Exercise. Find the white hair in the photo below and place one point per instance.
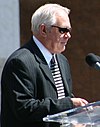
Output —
(46, 14)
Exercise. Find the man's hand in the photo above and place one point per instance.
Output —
(79, 102)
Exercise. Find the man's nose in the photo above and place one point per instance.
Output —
(68, 35)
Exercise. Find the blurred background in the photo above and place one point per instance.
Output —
(15, 17)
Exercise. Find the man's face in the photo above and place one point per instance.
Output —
(57, 38)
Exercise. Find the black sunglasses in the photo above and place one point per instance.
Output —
(62, 30)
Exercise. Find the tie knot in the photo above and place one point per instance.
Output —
(53, 60)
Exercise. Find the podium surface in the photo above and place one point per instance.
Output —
(85, 116)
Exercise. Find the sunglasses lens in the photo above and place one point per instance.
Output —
(64, 30)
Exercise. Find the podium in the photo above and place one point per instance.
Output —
(84, 116)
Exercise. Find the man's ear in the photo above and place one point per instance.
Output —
(43, 30)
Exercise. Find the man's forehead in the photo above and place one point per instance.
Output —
(63, 21)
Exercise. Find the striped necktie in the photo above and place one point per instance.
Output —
(57, 77)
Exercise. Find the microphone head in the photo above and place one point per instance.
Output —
(92, 59)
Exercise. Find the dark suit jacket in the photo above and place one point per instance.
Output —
(28, 90)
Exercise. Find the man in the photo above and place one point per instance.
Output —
(29, 91)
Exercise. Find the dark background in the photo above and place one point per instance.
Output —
(85, 20)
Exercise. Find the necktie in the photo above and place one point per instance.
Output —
(57, 77)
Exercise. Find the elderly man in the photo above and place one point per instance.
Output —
(36, 79)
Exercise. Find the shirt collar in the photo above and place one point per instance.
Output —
(47, 55)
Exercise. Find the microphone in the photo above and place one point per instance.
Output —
(93, 60)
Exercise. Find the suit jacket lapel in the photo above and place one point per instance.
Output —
(41, 60)
(45, 69)
(47, 72)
